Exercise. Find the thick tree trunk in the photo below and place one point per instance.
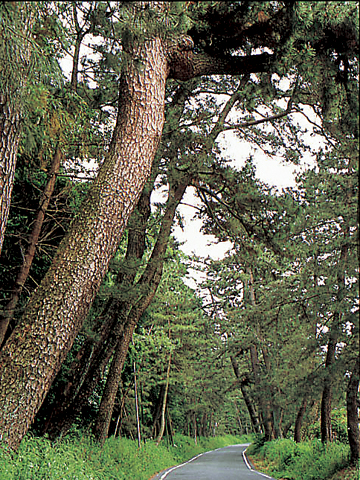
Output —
(33, 239)
(33, 355)
(352, 408)
(68, 407)
(118, 311)
(22, 14)
(84, 375)
(37, 347)
(9, 143)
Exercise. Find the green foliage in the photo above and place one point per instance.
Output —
(29, 47)
(290, 240)
(79, 458)
(310, 460)
(338, 426)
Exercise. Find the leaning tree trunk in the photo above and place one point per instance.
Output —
(352, 407)
(55, 313)
(15, 59)
(151, 279)
(67, 408)
(37, 347)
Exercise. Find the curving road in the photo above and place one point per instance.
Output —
(227, 463)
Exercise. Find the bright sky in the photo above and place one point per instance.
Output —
(268, 170)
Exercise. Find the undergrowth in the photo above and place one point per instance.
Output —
(80, 458)
(286, 460)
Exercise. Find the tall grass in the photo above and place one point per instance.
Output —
(80, 458)
(310, 460)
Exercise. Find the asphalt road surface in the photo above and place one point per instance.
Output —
(227, 463)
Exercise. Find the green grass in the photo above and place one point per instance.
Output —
(286, 460)
(80, 458)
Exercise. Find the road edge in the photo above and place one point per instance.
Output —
(171, 469)
(251, 467)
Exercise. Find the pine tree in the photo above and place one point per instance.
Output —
(152, 54)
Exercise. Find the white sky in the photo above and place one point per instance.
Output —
(269, 170)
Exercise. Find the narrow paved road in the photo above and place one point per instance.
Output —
(222, 464)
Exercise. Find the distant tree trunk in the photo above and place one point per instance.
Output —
(195, 428)
(299, 420)
(157, 412)
(264, 402)
(81, 32)
(164, 403)
(104, 416)
(33, 239)
(326, 399)
(137, 408)
(352, 408)
(170, 426)
(248, 402)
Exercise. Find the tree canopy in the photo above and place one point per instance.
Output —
(96, 317)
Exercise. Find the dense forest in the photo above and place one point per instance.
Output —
(109, 113)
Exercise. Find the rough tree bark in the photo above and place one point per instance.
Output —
(70, 402)
(9, 143)
(34, 352)
(12, 89)
(32, 356)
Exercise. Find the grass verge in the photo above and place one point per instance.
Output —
(80, 458)
(286, 460)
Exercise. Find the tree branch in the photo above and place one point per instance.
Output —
(185, 65)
